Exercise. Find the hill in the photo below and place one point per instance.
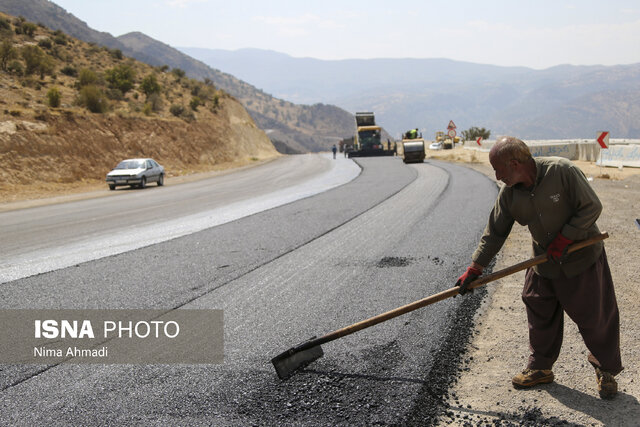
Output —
(559, 102)
(292, 128)
(71, 110)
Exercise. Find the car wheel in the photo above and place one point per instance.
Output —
(112, 186)
(143, 182)
(161, 180)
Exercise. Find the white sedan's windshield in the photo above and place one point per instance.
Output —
(130, 164)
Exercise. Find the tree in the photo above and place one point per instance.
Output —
(474, 133)
(121, 77)
(36, 61)
(150, 85)
(7, 53)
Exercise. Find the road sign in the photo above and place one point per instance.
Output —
(451, 125)
(479, 140)
(603, 139)
(452, 133)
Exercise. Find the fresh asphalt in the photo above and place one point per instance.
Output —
(393, 235)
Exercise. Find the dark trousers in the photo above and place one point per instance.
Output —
(589, 300)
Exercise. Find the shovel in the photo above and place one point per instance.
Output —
(306, 352)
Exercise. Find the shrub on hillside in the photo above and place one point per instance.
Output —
(150, 85)
(178, 73)
(59, 37)
(7, 53)
(121, 77)
(94, 99)
(70, 71)
(4, 24)
(116, 53)
(215, 103)
(195, 103)
(36, 60)
(54, 96)
(176, 110)
(87, 77)
(23, 27)
(114, 94)
(15, 67)
(45, 43)
(155, 101)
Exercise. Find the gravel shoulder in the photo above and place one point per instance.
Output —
(483, 394)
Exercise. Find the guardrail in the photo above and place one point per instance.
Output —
(621, 152)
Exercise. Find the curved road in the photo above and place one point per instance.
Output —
(395, 234)
(41, 239)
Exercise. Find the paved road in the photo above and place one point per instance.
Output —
(38, 240)
(395, 234)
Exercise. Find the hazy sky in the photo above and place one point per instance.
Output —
(537, 34)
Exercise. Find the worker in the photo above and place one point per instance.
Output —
(413, 133)
(334, 149)
(554, 199)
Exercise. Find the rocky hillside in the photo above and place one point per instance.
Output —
(70, 110)
(292, 128)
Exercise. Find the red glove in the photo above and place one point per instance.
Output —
(557, 250)
(467, 277)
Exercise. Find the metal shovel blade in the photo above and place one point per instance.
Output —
(295, 358)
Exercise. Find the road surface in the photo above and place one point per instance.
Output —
(393, 235)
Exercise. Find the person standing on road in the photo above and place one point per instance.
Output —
(334, 150)
(553, 198)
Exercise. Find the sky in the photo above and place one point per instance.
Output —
(537, 34)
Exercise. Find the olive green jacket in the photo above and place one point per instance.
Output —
(561, 201)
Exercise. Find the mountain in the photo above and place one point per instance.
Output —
(559, 102)
(292, 128)
(72, 110)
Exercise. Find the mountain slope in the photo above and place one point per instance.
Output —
(427, 93)
(292, 128)
(300, 127)
(65, 121)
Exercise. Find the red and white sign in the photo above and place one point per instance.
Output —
(603, 139)
(452, 133)
(451, 125)
(479, 140)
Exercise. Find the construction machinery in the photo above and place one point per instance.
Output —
(413, 147)
(367, 141)
(446, 140)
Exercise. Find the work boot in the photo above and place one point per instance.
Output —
(530, 377)
(607, 385)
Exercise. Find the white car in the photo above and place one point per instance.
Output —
(435, 146)
(136, 173)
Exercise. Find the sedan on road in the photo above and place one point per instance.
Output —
(136, 173)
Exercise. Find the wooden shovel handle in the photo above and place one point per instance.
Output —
(448, 293)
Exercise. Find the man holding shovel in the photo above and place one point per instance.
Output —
(554, 199)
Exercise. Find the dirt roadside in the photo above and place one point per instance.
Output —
(483, 394)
